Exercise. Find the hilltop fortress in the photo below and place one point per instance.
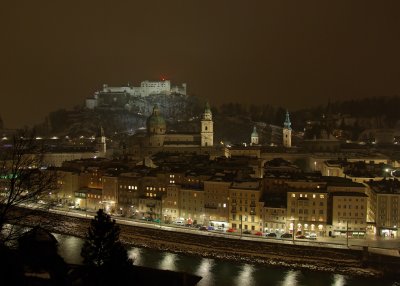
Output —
(123, 94)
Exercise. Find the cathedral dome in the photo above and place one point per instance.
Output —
(156, 123)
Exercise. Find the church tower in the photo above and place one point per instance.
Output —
(207, 128)
(254, 137)
(101, 142)
(287, 132)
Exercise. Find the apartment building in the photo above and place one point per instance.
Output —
(245, 208)
(307, 210)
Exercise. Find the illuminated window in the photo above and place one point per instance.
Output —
(321, 196)
(293, 195)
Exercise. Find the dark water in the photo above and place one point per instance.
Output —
(217, 272)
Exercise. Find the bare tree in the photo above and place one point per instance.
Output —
(23, 182)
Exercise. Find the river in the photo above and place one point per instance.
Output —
(219, 272)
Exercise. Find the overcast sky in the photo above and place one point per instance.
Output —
(54, 54)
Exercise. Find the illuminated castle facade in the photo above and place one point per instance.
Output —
(146, 88)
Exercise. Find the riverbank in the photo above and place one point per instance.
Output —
(343, 261)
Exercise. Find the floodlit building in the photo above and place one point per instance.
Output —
(387, 206)
(157, 139)
(307, 210)
(245, 209)
(121, 94)
(349, 213)
(192, 204)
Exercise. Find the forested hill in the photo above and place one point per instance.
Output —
(183, 114)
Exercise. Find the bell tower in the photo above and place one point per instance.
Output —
(287, 132)
(207, 128)
(254, 137)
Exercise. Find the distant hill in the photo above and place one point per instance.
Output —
(233, 121)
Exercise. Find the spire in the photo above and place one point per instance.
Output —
(207, 115)
(100, 132)
(287, 122)
(207, 107)
(254, 134)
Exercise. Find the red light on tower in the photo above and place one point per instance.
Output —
(163, 78)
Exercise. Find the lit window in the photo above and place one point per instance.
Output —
(293, 195)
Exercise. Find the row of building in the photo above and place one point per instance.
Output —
(228, 193)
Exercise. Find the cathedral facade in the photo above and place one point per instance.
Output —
(157, 139)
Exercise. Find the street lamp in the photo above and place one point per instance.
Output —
(347, 230)
(293, 230)
(241, 226)
(161, 214)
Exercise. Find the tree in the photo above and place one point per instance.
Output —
(103, 254)
(23, 182)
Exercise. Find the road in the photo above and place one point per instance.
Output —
(386, 246)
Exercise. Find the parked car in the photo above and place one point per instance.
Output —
(271, 234)
(157, 220)
(246, 231)
(178, 222)
(230, 230)
(259, 233)
(300, 236)
(203, 228)
(286, 235)
(210, 227)
(312, 236)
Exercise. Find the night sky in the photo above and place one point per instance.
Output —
(54, 54)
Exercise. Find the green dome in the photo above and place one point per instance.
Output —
(156, 123)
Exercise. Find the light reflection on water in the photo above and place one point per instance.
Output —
(339, 280)
(69, 247)
(135, 255)
(205, 270)
(220, 273)
(168, 262)
(245, 275)
(290, 278)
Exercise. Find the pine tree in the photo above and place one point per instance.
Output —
(103, 254)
